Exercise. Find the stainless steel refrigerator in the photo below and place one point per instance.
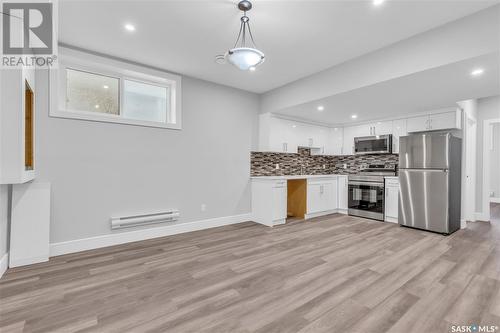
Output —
(430, 182)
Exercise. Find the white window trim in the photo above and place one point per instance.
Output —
(82, 61)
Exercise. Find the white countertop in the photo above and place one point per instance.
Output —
(294, 177)
(306, 177)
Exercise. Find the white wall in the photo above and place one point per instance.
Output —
(4, 221)
(488, 108)
(495, 162)
(99, 170)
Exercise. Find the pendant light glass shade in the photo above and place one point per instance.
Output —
(245, 58)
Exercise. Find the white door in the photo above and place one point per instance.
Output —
(348, 142)
(398, 130)
(314, 198)
(382, 128)
(342, 192)
(391, 201)
(441, 121)
(329, 195)
(279, 202)
(417, 124)
(470, 168)
(334, 145)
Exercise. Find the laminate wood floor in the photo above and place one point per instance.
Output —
(330, 274)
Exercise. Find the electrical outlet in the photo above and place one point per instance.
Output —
(277, 166)
(345, 166)
(203, 207)
(324, 166)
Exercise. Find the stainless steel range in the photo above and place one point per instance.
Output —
(367, 192)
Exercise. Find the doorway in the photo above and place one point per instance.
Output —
(491, 160)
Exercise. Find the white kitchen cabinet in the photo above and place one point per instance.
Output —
(17, 126)
(371, 129)
(279, 202)
(391, 200)
(285, 136)
(342, 194)
(398, 130)
(382, 128)
(417, 124)
(348, 142)
(445, 120)
(335, 141)
(321, 196)
(269, 201)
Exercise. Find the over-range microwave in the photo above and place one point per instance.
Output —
(380, 144)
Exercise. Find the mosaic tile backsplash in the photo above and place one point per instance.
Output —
(264, 163)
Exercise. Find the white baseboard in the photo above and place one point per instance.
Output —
(313, 215)
(26, 261)
(391, 219)
(482, 216)
(495, 200)
(463, 224)
(91, 243)
(4, 264)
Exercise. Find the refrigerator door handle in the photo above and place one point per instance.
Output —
(426, 170)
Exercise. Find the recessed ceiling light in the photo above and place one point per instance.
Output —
(477, 72)
(378, 2)
(96, 106)
(129, 27)
(321, 108)
(354, 116)
(252, 69)
(294, 126)
(105, 86)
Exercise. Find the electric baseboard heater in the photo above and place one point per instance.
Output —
(140, 220)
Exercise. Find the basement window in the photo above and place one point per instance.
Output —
(100, 89)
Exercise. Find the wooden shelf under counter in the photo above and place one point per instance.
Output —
(297, 198)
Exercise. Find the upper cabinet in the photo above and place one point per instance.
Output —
(335, 141)
(372, 129)
(398, 130)
(285, 136)
(17, 126)
(446, 120)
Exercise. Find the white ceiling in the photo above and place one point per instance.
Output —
(431, 89)
(299, 37)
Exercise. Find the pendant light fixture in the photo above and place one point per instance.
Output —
(243, 56)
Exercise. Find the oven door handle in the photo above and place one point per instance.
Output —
(366, 183)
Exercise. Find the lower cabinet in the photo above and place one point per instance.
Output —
(279, 202)
(321, 196)
(391, 200)
(269, 201)
(342, 194)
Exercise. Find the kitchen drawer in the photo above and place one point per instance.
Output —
(391, 182)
